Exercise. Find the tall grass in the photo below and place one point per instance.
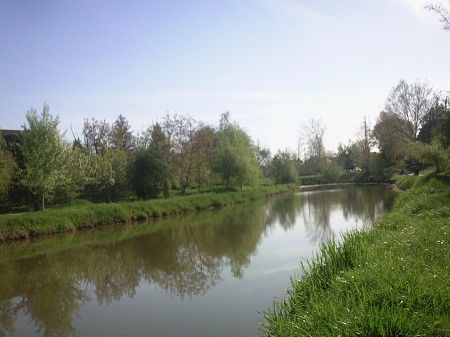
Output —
(83, 214)
(390, 281)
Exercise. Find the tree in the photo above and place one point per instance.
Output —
(43, 154)
(180, 131)
(363, 146)
(112, 149)
(282, 168)
(7, 169)
(235, 157)
(436, 124)
(120, 136)
(330, 171)
(314, 131)
(263, 156)
(203, 147)
(433, 153)
(443, 12)
(345, 156)
(389, 134)
(150, 171)
(96, 135)
(411, 102)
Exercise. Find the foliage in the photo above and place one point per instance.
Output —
(150, 170)
(390, 135)
(433, 153)
(109, 164)
(7, 169)
(330, 172)
(282, 168)
(345, 156)
(43, 154)
(235, 156)
(436, 125)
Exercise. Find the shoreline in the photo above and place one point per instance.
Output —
(389, 281)
(22, 226)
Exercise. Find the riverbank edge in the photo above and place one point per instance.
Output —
(389, 281)
(84, 215)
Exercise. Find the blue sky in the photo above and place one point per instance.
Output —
(274, 64)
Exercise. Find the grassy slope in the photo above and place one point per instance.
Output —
(85, 214)
(391, 281)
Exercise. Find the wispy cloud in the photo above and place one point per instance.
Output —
(291, 7)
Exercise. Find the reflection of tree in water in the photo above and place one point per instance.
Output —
(281, 211)
(8, 312)
(366, 202)
(316, 210)
(237, 236)
(185, 258)
(363, 203)
(184, 269)
(49, 296)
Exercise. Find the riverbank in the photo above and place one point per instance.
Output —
(83, 214)
(390, 281)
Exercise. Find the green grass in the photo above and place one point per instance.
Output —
(82, 214)
(390, 281)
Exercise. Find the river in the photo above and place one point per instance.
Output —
(205, 274)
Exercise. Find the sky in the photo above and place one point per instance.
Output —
(273, 64)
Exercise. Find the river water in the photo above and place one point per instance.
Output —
(206, 274)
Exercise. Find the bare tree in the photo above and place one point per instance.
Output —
(443, 12)
(411, 102)
(313, 132)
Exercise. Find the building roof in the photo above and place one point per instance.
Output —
(9, 133)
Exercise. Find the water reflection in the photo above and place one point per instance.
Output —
(45, 284)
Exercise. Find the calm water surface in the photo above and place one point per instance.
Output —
(208, 274)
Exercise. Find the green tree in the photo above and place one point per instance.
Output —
(263, 157)
(330, 171)
(389, 133)
(180, 132)
(7, 169)
(283, 169)
(120, 136)
(433, 153)
(96, 135)
(436, 124)
(345, 156)
(122, 143)
(203, 147)
(150, 171)
(43, 153)
(111, 164)
(235, 157)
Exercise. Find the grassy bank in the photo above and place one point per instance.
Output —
(83, 214)
(390, 281)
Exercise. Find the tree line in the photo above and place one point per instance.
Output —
(412, 130)
(109, 163)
